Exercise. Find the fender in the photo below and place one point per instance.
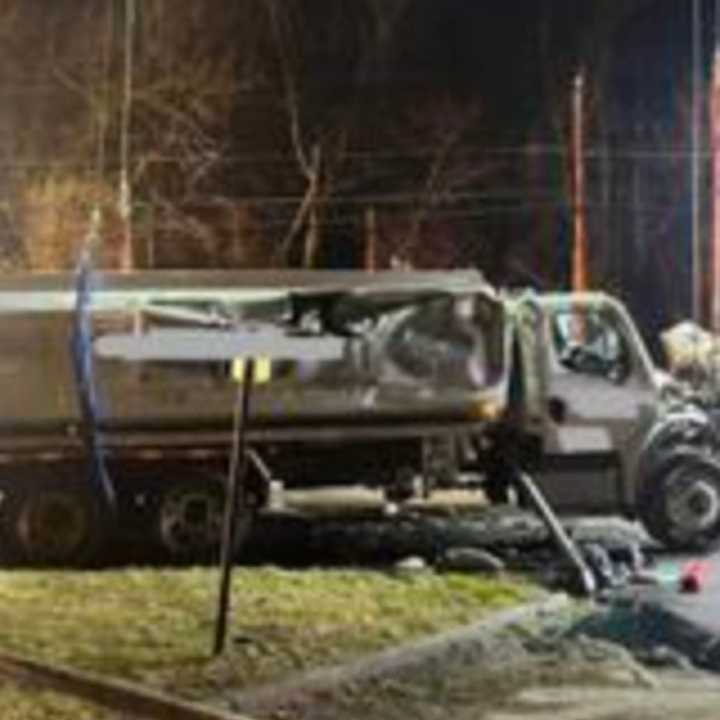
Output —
(682, 427)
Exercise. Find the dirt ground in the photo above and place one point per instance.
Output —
(516, 675)
(580, 697)
(540, 688)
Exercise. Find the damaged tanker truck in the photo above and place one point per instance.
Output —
(439, 378)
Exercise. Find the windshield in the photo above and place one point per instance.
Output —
(589, 341)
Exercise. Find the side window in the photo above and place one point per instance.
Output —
(587, 342)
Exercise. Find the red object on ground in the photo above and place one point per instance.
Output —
(694, 576)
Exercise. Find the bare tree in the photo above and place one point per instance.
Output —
(323, 120)
(440, 127)
(190, 63)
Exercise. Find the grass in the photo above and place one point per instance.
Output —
(156, 626)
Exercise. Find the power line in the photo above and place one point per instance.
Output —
(466, 153)
(407, 202)
(429, 152)
(597, 209)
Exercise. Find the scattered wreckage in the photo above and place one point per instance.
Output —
(441, 381)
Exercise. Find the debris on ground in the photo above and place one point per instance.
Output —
(663, 656)
(494, 540)
(653, 634)
(470, 559)
(411, 565)
(694, 576)
(645, 577)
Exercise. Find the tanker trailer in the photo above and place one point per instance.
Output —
(423, 367)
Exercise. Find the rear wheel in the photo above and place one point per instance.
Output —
(51, 522)
(189, 520)
(679, 503)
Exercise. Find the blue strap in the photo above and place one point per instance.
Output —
(83, 365)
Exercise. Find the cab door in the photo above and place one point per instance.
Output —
(603, 394)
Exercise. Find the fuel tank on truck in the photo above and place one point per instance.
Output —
(415, 347)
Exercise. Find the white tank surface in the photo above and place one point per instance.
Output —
(415, 344)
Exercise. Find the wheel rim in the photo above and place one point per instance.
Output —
(693, 503)
(190, 521)
(53, 526)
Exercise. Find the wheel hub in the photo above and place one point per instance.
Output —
(190, 521)
(52, 526)
(694, 506)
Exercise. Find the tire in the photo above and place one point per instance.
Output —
(679, 501)
(188, 520)
(51, 522)
(678, 432)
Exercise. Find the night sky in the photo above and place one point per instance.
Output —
(638, 59)
(513, 60)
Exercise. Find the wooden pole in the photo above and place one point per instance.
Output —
(236, 481)
(579, 258)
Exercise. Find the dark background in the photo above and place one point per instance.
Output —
(446, 122)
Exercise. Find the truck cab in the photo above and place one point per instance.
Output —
(618, 436)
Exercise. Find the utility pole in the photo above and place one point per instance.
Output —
(715, 148)
(695, 169)
(579, 255)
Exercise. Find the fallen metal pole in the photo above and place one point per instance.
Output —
(585, 578)
(236, 481)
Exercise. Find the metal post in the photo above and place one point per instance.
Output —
(715, 140)
(236, 481)
(585, 578)
(695, 170)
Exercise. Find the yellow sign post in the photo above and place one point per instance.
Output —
(263, 370)
(236, 482)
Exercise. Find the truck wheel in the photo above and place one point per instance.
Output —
(679, 502)
(189, 520)
(51, 522)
